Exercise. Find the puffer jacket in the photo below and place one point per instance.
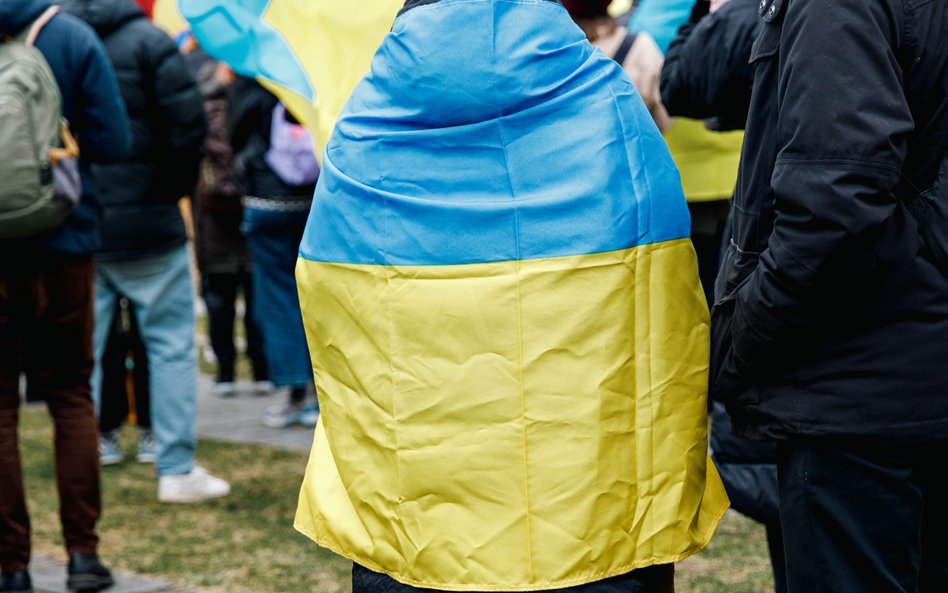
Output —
(140, 193)
(831, 314)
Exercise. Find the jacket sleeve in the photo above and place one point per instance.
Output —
(706, 72)
(102, 127)
(249, 107)
(181, 107)
(842, 132)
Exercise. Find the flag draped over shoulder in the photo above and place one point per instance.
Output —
(310, 53)
(509, 337)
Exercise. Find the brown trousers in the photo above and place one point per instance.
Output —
(46, 331)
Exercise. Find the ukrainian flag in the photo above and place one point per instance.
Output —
(309, 53)
(509, 336)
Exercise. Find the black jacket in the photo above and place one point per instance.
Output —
(831, 317)
(706, 73)
(248, 122)
(92, 105)
(140, 193)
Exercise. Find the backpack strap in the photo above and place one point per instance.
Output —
(70, 149)
(623, 52)
(39, 23)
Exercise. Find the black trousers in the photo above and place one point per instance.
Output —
(220, 295)
(654, 579)
(124, 373)
(864, 517)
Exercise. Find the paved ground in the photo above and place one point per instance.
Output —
(49, 576)
(235, 419)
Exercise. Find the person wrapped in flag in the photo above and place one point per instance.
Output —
(509, 337)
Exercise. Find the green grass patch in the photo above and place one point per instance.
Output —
(242, 543)
(246, 542)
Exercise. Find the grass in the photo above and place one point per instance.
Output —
(246, 543)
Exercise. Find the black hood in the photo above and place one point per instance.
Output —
(15, 15)
(105, 16)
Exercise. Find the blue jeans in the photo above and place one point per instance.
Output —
(159, 287)
(274, 242)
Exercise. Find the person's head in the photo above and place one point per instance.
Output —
(592, 16)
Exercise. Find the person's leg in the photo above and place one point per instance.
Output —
(274, 247)
(159, 288)
(778, 561)
(59, 351)
(851, 515)
(220, 296)
(273, 239)
(105, 299)
(140, 374)
(934, 577)
(255, 350)
(113, 397)
(14, 520)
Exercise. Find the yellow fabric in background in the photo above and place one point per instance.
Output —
(707, 160)
(494, 422)
(334, 41)
(165, 16)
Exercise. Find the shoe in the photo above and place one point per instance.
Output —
(86, 574)
(262, 388)
(110, 449)
(16, 582)
(224, 389)
(283, 415)
(309, 416)
(146, 446)
(195, 486)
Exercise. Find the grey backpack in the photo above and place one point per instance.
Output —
(39, 177)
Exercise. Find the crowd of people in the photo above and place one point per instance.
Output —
(808, 139)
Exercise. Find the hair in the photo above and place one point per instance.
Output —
(597, 27)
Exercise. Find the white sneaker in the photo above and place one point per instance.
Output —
(262, 388)
(282, 415)
(224, 389)
(309, 416)
(195, 486)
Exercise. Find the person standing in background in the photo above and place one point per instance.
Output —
(124, 372)
(275, 157)
(637, 53)
(46, 312)
(220, 246)
(144, 254)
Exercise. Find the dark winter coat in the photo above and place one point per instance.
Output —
(91, 103)
(707, 74)
(141, 192)
(830, 315)
(251, 108)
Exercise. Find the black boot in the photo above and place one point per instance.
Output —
(16, 582)
(86, 574)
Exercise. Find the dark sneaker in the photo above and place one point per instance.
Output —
(16, 582)
(86, 574)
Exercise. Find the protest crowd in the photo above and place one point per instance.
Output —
(575, 277)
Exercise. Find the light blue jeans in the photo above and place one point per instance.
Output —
(160, 288)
